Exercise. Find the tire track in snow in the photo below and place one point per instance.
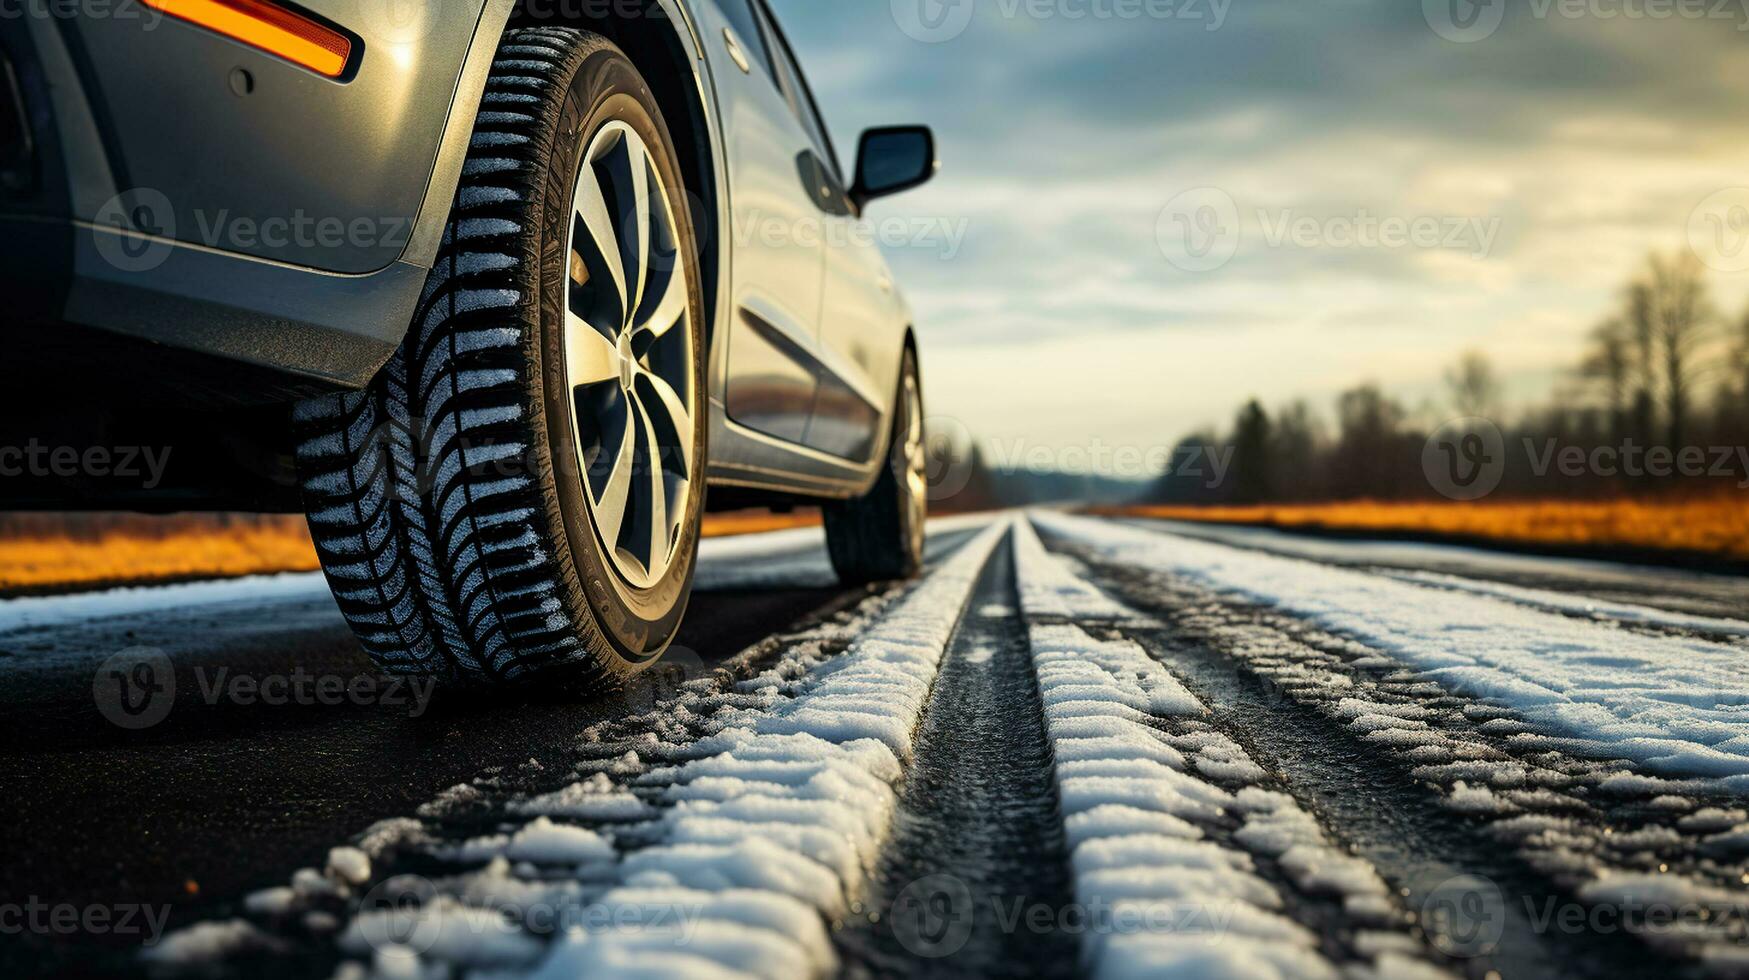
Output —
(1555, 832)
(1677, 707)
(725, 839)
(1198, 868)
(977, 824)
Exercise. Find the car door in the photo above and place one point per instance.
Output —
(860, 332)
(778, 255)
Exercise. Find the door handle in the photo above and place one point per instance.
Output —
(735, 52)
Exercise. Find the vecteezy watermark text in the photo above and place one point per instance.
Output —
(137, 688)
(35, 459)
(1468, 21)
(117, 10)
(935, 916)
(1202, 229)
(1467, 459)
(34, 916)
(1636, 461)
(936, 21)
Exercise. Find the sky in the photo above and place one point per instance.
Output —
(1150, 211)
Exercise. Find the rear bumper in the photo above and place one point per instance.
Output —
(183, 188)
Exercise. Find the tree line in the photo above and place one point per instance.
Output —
(1664, 377)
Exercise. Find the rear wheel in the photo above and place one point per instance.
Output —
(879, 536)
(520, 489)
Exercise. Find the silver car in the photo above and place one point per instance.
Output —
(492, 291)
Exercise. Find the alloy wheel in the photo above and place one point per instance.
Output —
(912, 460)
(629, 355)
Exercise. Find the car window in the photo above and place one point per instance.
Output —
(801, 98)
(745, 23)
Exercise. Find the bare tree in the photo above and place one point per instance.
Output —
(1253, 473)
(1298, 447)
(1475, 391)
(1733, 404)
(1370, 455)
(1740, 364)
(1643, 332)
(1609, 363)
(1682, 314)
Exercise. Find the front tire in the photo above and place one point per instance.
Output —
(879, 536)
(520, 489)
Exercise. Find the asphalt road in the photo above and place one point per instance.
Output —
(230, 789)
(1075, 746)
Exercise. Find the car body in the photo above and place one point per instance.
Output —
(212, 232)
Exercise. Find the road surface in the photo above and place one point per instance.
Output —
(1074, 746)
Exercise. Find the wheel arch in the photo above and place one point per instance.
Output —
(660, 39)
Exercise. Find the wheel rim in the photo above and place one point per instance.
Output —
(629, 357)
(912, 460)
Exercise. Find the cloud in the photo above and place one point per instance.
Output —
(1579, 143)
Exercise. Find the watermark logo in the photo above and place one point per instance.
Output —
(946, 470)
(398, 22)
(1718, 230)
(136, 688)
(1198, 230)
(933, 21)
(133, 230)
(1465, 459)
(933, 916)
(402, 911)
(1464, 21)
(1465, 916)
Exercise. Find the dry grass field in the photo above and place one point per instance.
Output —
(1713, 526)
(56, 552)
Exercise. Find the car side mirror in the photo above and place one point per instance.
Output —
(893, 159)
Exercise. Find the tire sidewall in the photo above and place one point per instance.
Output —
(638, 624)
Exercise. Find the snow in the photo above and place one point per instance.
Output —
(1676, 706)
(729, 848)
(594, 799)
(793, 806)
(349, 864)
(1049, 588)
(205, 942)
(443, 931)
(1142, 830)
(792, 558)
(546, 842)
(42, 612)
(1552, 601)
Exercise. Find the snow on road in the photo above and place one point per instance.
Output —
(1151, 798)
(1602, 610)
(1653, 843)
(1678, 706)
(1594, 750)
(45, 612)
(770, 801)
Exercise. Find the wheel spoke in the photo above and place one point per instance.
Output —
(674, 407)
(610, 507)
(639, 235)
(667, 310)
(590, 358)
(598, 221)
(658, 488)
